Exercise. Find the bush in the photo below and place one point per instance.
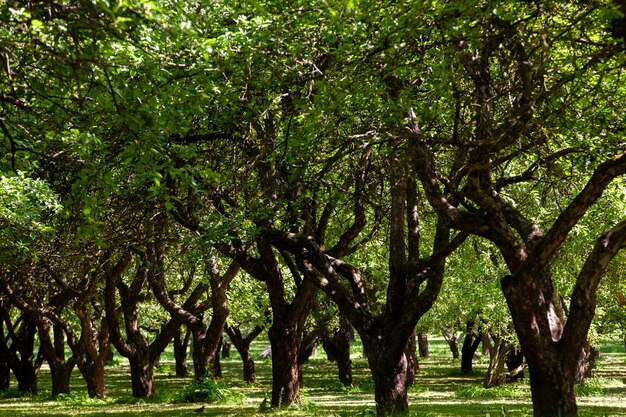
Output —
(209, 391)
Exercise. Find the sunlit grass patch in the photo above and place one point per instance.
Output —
(81, 398)
(503, 391)
(596, 386)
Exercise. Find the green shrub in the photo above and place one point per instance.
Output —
(209, 391)
(79, 398)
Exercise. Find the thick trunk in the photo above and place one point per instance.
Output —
(285, 344)
(24, 367)
(180, 352)
(5, 375)
(142, 376)
(61, 375)
(390, 380)
(422, 343)
(27, 379)
(344, 363)
(468, 350)
(486, 344)
(539, 327)
(93, 374)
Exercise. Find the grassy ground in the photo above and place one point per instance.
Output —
(440, 391)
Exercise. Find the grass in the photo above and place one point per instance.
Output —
(441, 390)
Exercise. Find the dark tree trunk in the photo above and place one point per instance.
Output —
(180, 352)
(468, 349)
(61, 376)
(286, 376)
(342, 342)
(412, 363)
(515, 359)
(552, 368)
(226, 349)
(243, 347)
(142, 376)
(24, 367)
(5, 369)
(422, 344)
(200, 359)
(54, 353)
(389, 372)
(93, 374)
(216, 365)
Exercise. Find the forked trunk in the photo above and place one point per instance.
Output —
(242, 344)
(285, 366)
(142, 376)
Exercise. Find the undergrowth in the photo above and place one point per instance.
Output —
(477, 391)
(207, 390)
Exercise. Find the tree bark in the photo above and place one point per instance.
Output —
(54, 353)
(285, 342)
(497, 360)
(389, 368)
(337, 348)
(5, 369)
(422, 343)
(515, 359)
(142, 376)
(242, 344)
(412, 363)
(180, 352)
(468, 349)
(453, 342)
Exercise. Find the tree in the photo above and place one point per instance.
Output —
(502, 131)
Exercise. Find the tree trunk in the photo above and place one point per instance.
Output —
(216, 365)
(412, 364)
(468, 349)
(5, 369)
(200, 359)
(515, 359)
(486, 344)
(453, 342)
(285, 344)
(61, 375)
(180, 352)
(142, 376)
(497, 360)
(93, 374)
(54, 353)
(539, 325)
(422, 343)
(344, 363)
(390, 378)
(243, 347)
(226, 349)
